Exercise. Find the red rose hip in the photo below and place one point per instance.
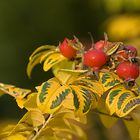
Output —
(132, 50)
(95, 58)
(128, 70)
(67, 49)
(101, 44)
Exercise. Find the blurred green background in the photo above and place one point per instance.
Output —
(27, 24)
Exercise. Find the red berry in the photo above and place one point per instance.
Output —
(100, 44)
(95, 58)
(67, 49)
(128, 70)
(132, 50)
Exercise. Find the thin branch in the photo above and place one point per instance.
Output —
(40, 130)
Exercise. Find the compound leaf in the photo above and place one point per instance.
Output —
(51, 95)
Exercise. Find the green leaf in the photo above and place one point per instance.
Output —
(94, 85)
(117, 97)
(82, 99)
(109, 80)
(129, 106)
(45, 91)
(51, 95)
(112, 99)
(125, 96)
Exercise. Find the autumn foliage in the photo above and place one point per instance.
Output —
(101, 79)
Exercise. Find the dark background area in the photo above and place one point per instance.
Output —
(28, 24)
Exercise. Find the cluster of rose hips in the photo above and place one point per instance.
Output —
(124, 57)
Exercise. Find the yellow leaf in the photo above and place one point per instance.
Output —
(129, 106)
(52, 60)
(94, 85)
(14, 91)
(69, 114)
(68, 76)
(45, 55)
(107, 120)
(109, 80)
(51, 95)
(37, 55)
(133, 128)
(31, 102)
(42, 49)
(36, 117)
(25, 124)
(116, 97)
(79, 132)
(82, 99)
(28, 102)
(63, 76)
(125, 96)
(15, 137)
(68, 102)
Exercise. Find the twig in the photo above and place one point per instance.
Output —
(40, 130)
